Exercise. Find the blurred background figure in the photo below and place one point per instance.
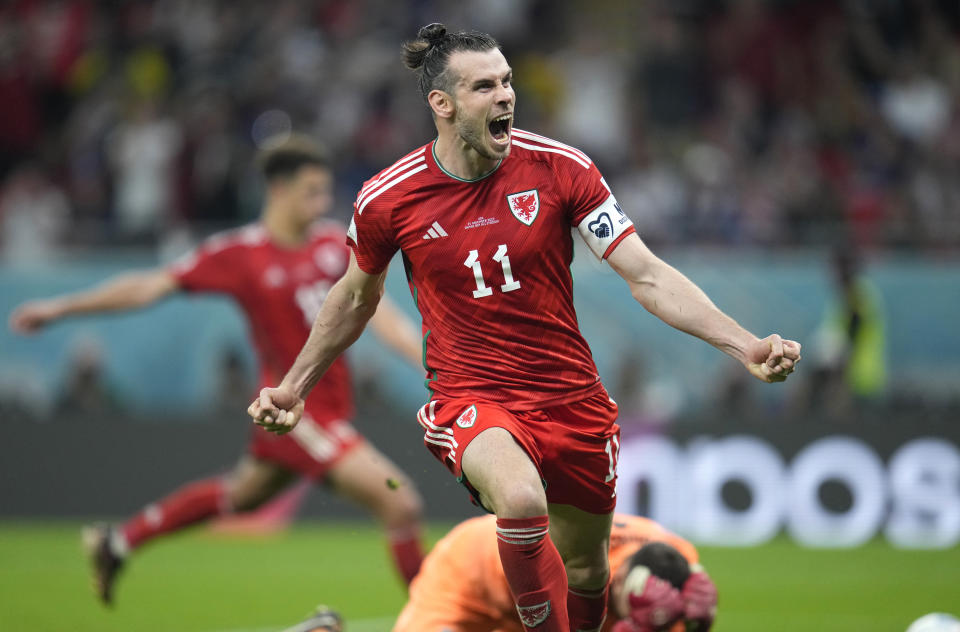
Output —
(142, 151)
(87, 390)
(849, 347)
(34, 215)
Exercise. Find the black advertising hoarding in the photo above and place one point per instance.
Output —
(825, 485)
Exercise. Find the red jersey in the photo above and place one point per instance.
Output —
(488, 262)
(280, 291)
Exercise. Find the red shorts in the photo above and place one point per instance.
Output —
(314, 446)
(573, 446)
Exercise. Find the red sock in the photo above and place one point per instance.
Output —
(188, 505)
(587, 609)
(406, 550)
(535, 573)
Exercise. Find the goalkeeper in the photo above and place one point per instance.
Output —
(656, 583)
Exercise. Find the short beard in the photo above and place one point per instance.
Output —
(477, 141)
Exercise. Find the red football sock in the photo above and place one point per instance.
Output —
(407, 551)
(587, 609)
(188, 505)
(535, 573)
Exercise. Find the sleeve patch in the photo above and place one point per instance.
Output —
(352, 231)
(604, 226)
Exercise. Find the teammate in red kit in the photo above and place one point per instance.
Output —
(483, 217)
(278, 271)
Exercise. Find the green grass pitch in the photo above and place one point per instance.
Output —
(214, 583)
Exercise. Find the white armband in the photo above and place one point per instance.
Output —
(604, 226)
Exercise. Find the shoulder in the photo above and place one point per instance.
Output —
(535, 147)
(327, 230)
(391, 183)
(638, 529)
(220, 247)
(641, 523)
(645, 530)
(241, 238)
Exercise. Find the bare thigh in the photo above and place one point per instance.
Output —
(254, 481)
(502, 472)
(370, 479)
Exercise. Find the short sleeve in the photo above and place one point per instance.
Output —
(594, 209)
(210, 268)
(371, 237)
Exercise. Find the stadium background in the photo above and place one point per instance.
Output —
(751, 142)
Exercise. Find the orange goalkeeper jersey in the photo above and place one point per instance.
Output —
(461, 586)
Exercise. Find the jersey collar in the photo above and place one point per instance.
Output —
(433, 155)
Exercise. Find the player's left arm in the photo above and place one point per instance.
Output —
(351, 302)
(673, 298)
(396, 330)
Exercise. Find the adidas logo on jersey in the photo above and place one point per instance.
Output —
(435, 232)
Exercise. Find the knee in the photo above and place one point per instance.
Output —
(518, 501)
(402, 506)
(242, 502)
(243, 498)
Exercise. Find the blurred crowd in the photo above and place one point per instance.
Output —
(731, 122)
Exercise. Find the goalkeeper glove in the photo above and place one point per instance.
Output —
(654, 603)
(699, 601)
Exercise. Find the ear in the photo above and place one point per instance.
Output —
(442, 104)
(278, 188)
(276, 184)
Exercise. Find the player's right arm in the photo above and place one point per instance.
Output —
(351, 302)
(123, 292)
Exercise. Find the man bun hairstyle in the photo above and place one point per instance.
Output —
(664, 561)
(429, 54)
(284, 156)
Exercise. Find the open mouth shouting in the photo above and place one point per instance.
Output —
(500, 129)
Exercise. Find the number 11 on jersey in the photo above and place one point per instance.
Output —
(473, 262)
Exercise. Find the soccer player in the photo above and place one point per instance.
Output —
(278, 271)
(656, 583)
(483, 216)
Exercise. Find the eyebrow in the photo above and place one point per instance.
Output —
(480, 83)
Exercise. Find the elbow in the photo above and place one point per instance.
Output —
(142, 297)
(365, 311)
(141, 290)
(652, 294)
(644, 279)
(642, 288)
(365, 303)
